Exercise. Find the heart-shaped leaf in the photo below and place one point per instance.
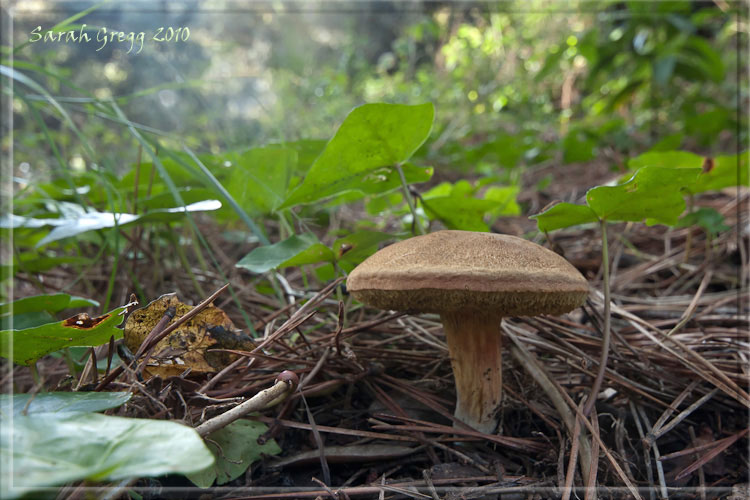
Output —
(372, 137)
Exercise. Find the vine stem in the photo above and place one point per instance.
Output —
(605, 333)
(409, 200)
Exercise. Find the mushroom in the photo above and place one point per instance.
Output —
(472, 280)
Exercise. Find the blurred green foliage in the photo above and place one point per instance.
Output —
(255, 111)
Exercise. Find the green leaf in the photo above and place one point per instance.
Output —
(259, 178)
(35, 263)
(382, 180)
(699, 54)
(312, 255)
(373, 136)
(31, 344)
(165, 200)
(726, 171)
(578, 147)
(63, 402)
(506, 199)
(49, 449)
(717, 173)
(53, 303)
(269, 257)
(709, 219)
(460, 213)
(307, 151)
(38, 309)
(564, 215)
(669, 142)
(356, 247)
(653, 193)
(456, 206)
(671, 159)
(235, 448)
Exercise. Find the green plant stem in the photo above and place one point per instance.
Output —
(689, 238)
(605, 331)
(69, 361)
(183, 259)
(409, 200)
(35, 374)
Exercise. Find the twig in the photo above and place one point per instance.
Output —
(286, 382)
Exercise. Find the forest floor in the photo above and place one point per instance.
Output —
(377, 391)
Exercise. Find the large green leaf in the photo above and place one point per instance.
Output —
(726, 171)
(717, 173)
(381, 181)
(652, 194)
(564, 215)
(672, 159)
(62, 402)
(373, 136)
(259, 178)
(30, 344)
(295, 250)
(235, 448)
(49, 449)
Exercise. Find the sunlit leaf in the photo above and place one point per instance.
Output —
(671, 159)
(74, 224)
(373, 136)
(457, 206)
(722, 172)
(506, 199)
(717, 173)
(381, 180)
(259, 178)
(653, 193)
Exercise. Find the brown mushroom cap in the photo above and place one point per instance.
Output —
(459, 270)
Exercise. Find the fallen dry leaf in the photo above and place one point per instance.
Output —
(196, 344)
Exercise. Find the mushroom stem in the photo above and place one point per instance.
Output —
(475, 346)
